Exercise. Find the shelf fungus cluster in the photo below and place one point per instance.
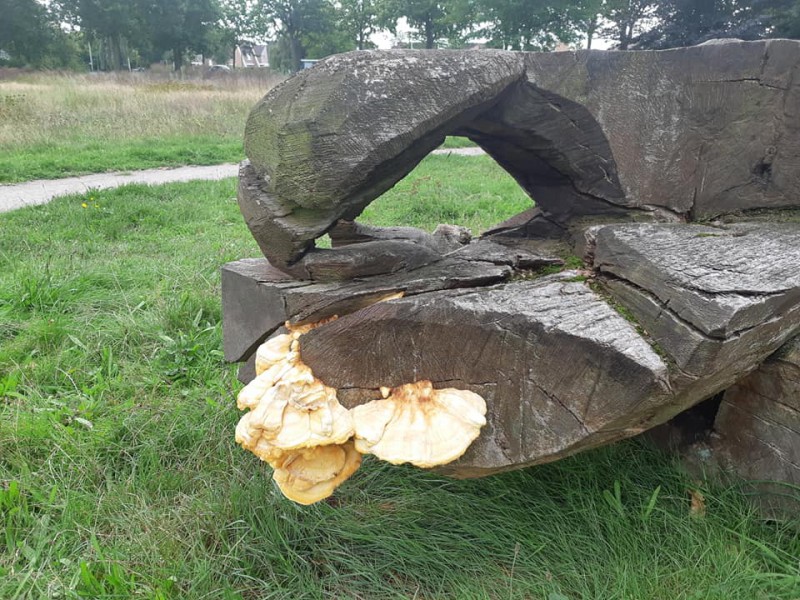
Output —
(296, 424)
(419, 425)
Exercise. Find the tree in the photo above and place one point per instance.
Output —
(241, 20)
(292, 21)
(434, 20)
(324, 43)
(359, 19)
(690, 22)
(627, 19)
(181, 26)
(585, 15)
(110, 22)
(31, 36)
(528, 24)
(786, 20)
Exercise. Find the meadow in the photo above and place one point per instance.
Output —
(61, 125)
(55, 126)
(120, 478)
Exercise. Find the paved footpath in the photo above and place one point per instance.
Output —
(32, 193)
(42, 191)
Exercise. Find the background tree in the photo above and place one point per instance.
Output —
(786, 19)
(359, 19)
(627, 20)
(180, 26)
(292, 21)
(585, 16)
(241, 21)
(331, 40)
(30, 34)
(433, 20)
(527, 24)
(690, 22)
(110, 24)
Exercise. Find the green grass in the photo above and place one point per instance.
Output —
(119, 476)
(58, 126)
(458, 142)
(55, 160)
(463, 190)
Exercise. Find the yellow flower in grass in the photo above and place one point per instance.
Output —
(84, 205)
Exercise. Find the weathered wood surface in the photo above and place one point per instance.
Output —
(327, 142)
(700, 131)
(621, 150)
(721, 280)
(733, 313)
(680, 134)
(560, 369)
(258, 298)
(757, 431)
(716, 300)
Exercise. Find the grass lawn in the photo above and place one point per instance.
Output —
(458, 142)
(54, 126)
(120, 478)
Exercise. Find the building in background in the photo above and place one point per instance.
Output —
(251, 56)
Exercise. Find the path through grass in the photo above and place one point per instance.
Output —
(119, 476)
(59, 126)
(54, 126)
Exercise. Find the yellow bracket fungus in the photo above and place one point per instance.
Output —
(292, 416)
(312, 474)
(419, 425)
(296, 424)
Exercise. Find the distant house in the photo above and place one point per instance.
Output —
(251, 55)
(307, 63)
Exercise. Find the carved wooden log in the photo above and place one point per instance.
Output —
(757, 431)
(691, 133)
(668, 313)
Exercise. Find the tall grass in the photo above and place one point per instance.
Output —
(119, 477)
(59, 125)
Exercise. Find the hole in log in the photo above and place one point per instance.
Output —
(763, 170)
(470, 191)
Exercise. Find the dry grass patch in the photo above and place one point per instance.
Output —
(59, 125)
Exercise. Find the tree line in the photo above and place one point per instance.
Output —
(121, 34)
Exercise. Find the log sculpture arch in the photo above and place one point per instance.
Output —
(674, 175)
(588, 135)
(552, 146)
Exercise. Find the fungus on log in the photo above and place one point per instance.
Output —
(623, 153)
(419, 425)
(312, 474)
(295, 423)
